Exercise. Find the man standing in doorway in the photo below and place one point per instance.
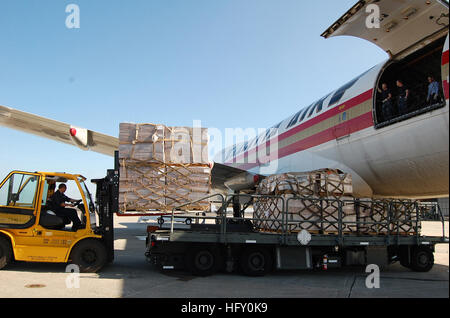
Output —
(403, 94)
(386, 100)
(433, 91)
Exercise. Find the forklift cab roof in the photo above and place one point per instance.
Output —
(402, 24)
(61, 177)
(56, 179)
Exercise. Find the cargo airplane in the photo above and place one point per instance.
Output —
(401, 154)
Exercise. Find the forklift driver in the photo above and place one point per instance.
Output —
(57, 203)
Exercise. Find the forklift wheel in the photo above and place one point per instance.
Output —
(90, 255)
(5, 252)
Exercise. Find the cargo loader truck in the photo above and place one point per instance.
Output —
(231, 241)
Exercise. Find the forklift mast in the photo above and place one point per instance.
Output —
(107, 199)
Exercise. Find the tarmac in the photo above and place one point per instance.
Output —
(131, 276)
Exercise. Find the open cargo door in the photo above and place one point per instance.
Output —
(402, 24)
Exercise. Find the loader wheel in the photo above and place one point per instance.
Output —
(5, 252)
(203, 261)
(89, 255)
(256, 261)
(422, 259)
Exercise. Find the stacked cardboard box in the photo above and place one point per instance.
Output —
(320, 183)
(287, 183)
(381, 217)
(149, 143)
(163, 167)
(303, 213)
(310, 199)
(404, 217)
(317, 200)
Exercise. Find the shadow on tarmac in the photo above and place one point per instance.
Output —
(140, 279)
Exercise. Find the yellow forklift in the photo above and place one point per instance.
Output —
(30, 231)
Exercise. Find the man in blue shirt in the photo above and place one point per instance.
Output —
(433, 91)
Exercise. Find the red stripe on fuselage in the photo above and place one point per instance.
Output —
(351, 126)
(332, 112)
(445, 58)
(446, 90)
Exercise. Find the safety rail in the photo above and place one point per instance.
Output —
(193, 202)
(383, 214)
(431, 211)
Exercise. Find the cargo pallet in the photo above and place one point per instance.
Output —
(232, 242)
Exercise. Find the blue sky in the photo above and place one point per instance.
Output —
(228, 63)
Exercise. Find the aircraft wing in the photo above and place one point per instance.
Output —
(222, 175)
(44, 127)
(228, 178)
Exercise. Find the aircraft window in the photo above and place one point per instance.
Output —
(341, 91)
(294, 119)
(318, 106)
(246, 144)
(274, 129)
(418, 74)
(306, 111)
(312, 110)
(233, 152)
(337, 96)
(261, 138)
(267, 134)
